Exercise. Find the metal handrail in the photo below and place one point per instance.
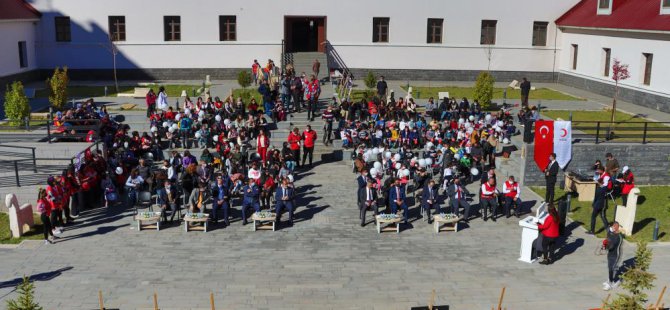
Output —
(621, 132)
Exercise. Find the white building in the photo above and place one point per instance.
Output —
(17, 51)
(430, 39)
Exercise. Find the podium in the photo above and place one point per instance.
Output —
(529, 233)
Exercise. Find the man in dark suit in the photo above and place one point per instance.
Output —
(284, 198)
(550, 174)
(367, 197)
(525, 91)
(362, 180)
(397, 199)
(221, 199)
(430, 199)
(251, 199)
(458, 195)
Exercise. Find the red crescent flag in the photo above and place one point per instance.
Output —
(544, 143)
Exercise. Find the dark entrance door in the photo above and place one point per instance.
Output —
(304, 34)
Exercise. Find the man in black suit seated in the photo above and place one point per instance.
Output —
(367, 199)
(458, 195)
(284, 198)
(430, 199)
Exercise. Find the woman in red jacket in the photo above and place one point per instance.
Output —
(627, 183)
(44, 209)
(549, 231)
(294, 139)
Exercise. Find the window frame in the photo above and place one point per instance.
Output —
(648, 63)
(169, 32)
(117, 31)
(485, 36)
(537, 26)
(574, 55)
(225, 33)
(23, 54)
(63, 28)
(604, 10)
(432, 34)
(381, 29)
(607, 58)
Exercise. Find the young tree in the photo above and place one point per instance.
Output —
(244, 79)
(635, 280)
(16, 103)
(619, 73)
(111, 48)
(483, 91)
(370, 80)
(58, 86)
(26, 300)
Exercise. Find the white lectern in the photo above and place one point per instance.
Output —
(529, 233)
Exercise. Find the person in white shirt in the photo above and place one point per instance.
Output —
(254, 173)
(133, 184)
(162, 102)
(512, 192)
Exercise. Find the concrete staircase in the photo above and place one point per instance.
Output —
(302, 62)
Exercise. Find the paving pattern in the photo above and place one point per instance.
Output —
(325, 261)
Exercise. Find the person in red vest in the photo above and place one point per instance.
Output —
(627, 183)
(254, 71)
(512, 192)
(309, 136)
(599, 204)
(313, 92)
(262, 143)
(294, 139)
(488, 199)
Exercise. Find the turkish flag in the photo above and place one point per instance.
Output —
(544, 143)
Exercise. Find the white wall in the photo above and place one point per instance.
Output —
(628, 50)
(11, 32)
(260, 31)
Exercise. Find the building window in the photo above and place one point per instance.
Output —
(63, 29)
(380, 29)
(117, 28)
(227, 28)
(666, 4)
(575, 50)
(607, 54)
(488, 32)
(603, 4)
(540, 33)
(172, 25)
(434, 30)
(648, 59)
(23, 55)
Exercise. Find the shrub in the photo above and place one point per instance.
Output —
(370, 80)
(57, 84)
(16, 103)
(483, 91)
(244, 79)
(26, 300)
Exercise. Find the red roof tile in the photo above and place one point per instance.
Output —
(626, 14)
(17, 9)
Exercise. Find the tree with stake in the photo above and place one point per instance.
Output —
(244, 79)
(16, 103)
(619, 73)
(483, 91)
(111, 47)
(635, 280)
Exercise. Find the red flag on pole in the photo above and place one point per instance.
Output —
(544, 143)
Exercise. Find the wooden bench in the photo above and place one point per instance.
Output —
(127, 106)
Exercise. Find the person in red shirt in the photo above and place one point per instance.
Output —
(262, 144)
(294, 139)
(151, 102)
(628, 183)
(254, 71)
(549, 231)
(44, 209)
(309, 136)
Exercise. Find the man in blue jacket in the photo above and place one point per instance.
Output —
(397, 199)
(221, 198)
(251, 199)
(284, 198)
(430, 199)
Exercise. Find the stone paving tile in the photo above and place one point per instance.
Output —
(326, 261)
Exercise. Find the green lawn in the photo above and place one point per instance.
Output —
(246, 95)
(99, 91)
(653, 203)
(6, 237)
(457, 92)
(623, 124)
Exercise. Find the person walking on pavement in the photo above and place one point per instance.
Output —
(613, 246)
(309, 137)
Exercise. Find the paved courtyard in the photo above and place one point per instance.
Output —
(326, 261)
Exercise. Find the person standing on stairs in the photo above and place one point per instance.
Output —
(328, 117)
(309, 137)
(313, 92)
(316, 67)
